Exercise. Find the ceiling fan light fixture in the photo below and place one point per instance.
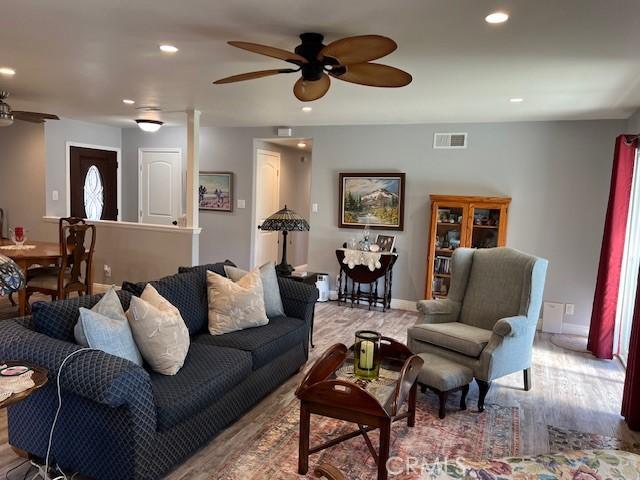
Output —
(150, 126)
(6, 120)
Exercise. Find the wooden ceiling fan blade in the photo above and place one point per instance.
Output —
(360, 49)
(270, 52)
(374, 75)
(307, 91)
(35, 117)
(251, 75)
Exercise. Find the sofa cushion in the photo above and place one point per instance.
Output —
(58, 319)
(264, 343)
(459, 337)
(211, 267)
(186, 292)
(208, 373)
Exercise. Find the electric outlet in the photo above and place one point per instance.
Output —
(570, 309)
(314, 208)
(107, 271)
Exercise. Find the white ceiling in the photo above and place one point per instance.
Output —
(569, 59)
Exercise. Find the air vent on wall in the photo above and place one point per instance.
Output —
(450, 140)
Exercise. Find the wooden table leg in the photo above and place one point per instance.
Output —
(411, 419)
(383, 453)
(303, 448)
(22, 293)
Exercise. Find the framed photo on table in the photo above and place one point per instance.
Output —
(373, 199)
(386, 242)
(215, 191)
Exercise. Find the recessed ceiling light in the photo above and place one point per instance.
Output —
(301, 144)
(9, 72)
(168, 48)
(128, 101)
(497, 17)
(516, 100)
(150, 126)
(306, 109)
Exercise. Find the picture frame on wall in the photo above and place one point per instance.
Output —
(373, 199)
(215, 191)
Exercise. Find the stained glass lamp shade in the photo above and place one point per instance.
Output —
(11, 276)
(285, 221)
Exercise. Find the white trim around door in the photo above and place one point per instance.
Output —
(68, 172)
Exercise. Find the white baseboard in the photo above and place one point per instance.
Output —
(575, 329)
(396, 303)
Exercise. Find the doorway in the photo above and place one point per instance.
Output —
(160, 185)
(93, 182)
(282, 177)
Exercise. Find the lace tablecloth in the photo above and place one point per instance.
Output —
(359, 257)
(11, 385)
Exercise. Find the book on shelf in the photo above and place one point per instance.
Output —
(442, 265)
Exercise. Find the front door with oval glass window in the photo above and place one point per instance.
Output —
(94, 183)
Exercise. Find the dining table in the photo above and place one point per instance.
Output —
(32, 253)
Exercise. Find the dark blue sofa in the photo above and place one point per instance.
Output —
(121, 421)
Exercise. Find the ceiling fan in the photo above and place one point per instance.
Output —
(348, 59)
(7, 116)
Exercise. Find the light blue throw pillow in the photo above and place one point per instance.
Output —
(105, 327)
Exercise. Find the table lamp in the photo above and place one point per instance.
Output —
(285, 221)
(11, 276)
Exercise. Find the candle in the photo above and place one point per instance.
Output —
(366, 354)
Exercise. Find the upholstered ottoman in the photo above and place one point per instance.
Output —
(444, 377)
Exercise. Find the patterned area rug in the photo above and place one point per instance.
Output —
(274, 451)
(564, 439)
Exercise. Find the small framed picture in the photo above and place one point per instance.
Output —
(215, 191)
(386, 242)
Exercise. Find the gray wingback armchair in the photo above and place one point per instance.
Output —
(488, 322)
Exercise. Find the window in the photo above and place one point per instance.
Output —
(93, 194)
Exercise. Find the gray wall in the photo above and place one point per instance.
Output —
(22, 179)
(56, 135)
(132, 140)
(557, 173)
(295, 193)
(633, 125)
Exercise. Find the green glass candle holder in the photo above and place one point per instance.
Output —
(366, 354)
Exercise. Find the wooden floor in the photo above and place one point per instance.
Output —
(570, 390)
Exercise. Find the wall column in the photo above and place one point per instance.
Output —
(193, 166)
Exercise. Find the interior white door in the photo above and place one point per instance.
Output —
(160, 185)
(267, 202)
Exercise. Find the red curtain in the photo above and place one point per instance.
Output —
(631, 397)
(605, 301)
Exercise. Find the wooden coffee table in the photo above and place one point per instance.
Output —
(330, 389)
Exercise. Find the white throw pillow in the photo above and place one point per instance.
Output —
(237, 305)
(271, 289)
(159, 331)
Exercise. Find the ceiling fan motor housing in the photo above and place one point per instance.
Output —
(310, 48)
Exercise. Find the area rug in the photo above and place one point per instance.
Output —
(273, 453)
(564, 439)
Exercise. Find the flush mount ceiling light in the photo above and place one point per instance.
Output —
(516, 100)
(6, 71)
(128, 101)
(497, 17)
(150, 126)
(301, 144)
(168, 49)
(306, 109)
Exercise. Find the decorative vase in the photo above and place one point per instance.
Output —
(366, 354)
(18, 235)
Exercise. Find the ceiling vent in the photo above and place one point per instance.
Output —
(450, 140)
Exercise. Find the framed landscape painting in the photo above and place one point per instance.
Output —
(215, 191)
(374, 199)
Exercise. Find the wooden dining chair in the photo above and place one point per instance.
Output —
(76, 269)
(2, 223)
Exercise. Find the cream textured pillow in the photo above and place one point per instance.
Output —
(159, 331)
(235, 306)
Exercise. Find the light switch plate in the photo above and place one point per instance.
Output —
(314, 208)
(570, 309)
(55, 195)
(241, 204)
